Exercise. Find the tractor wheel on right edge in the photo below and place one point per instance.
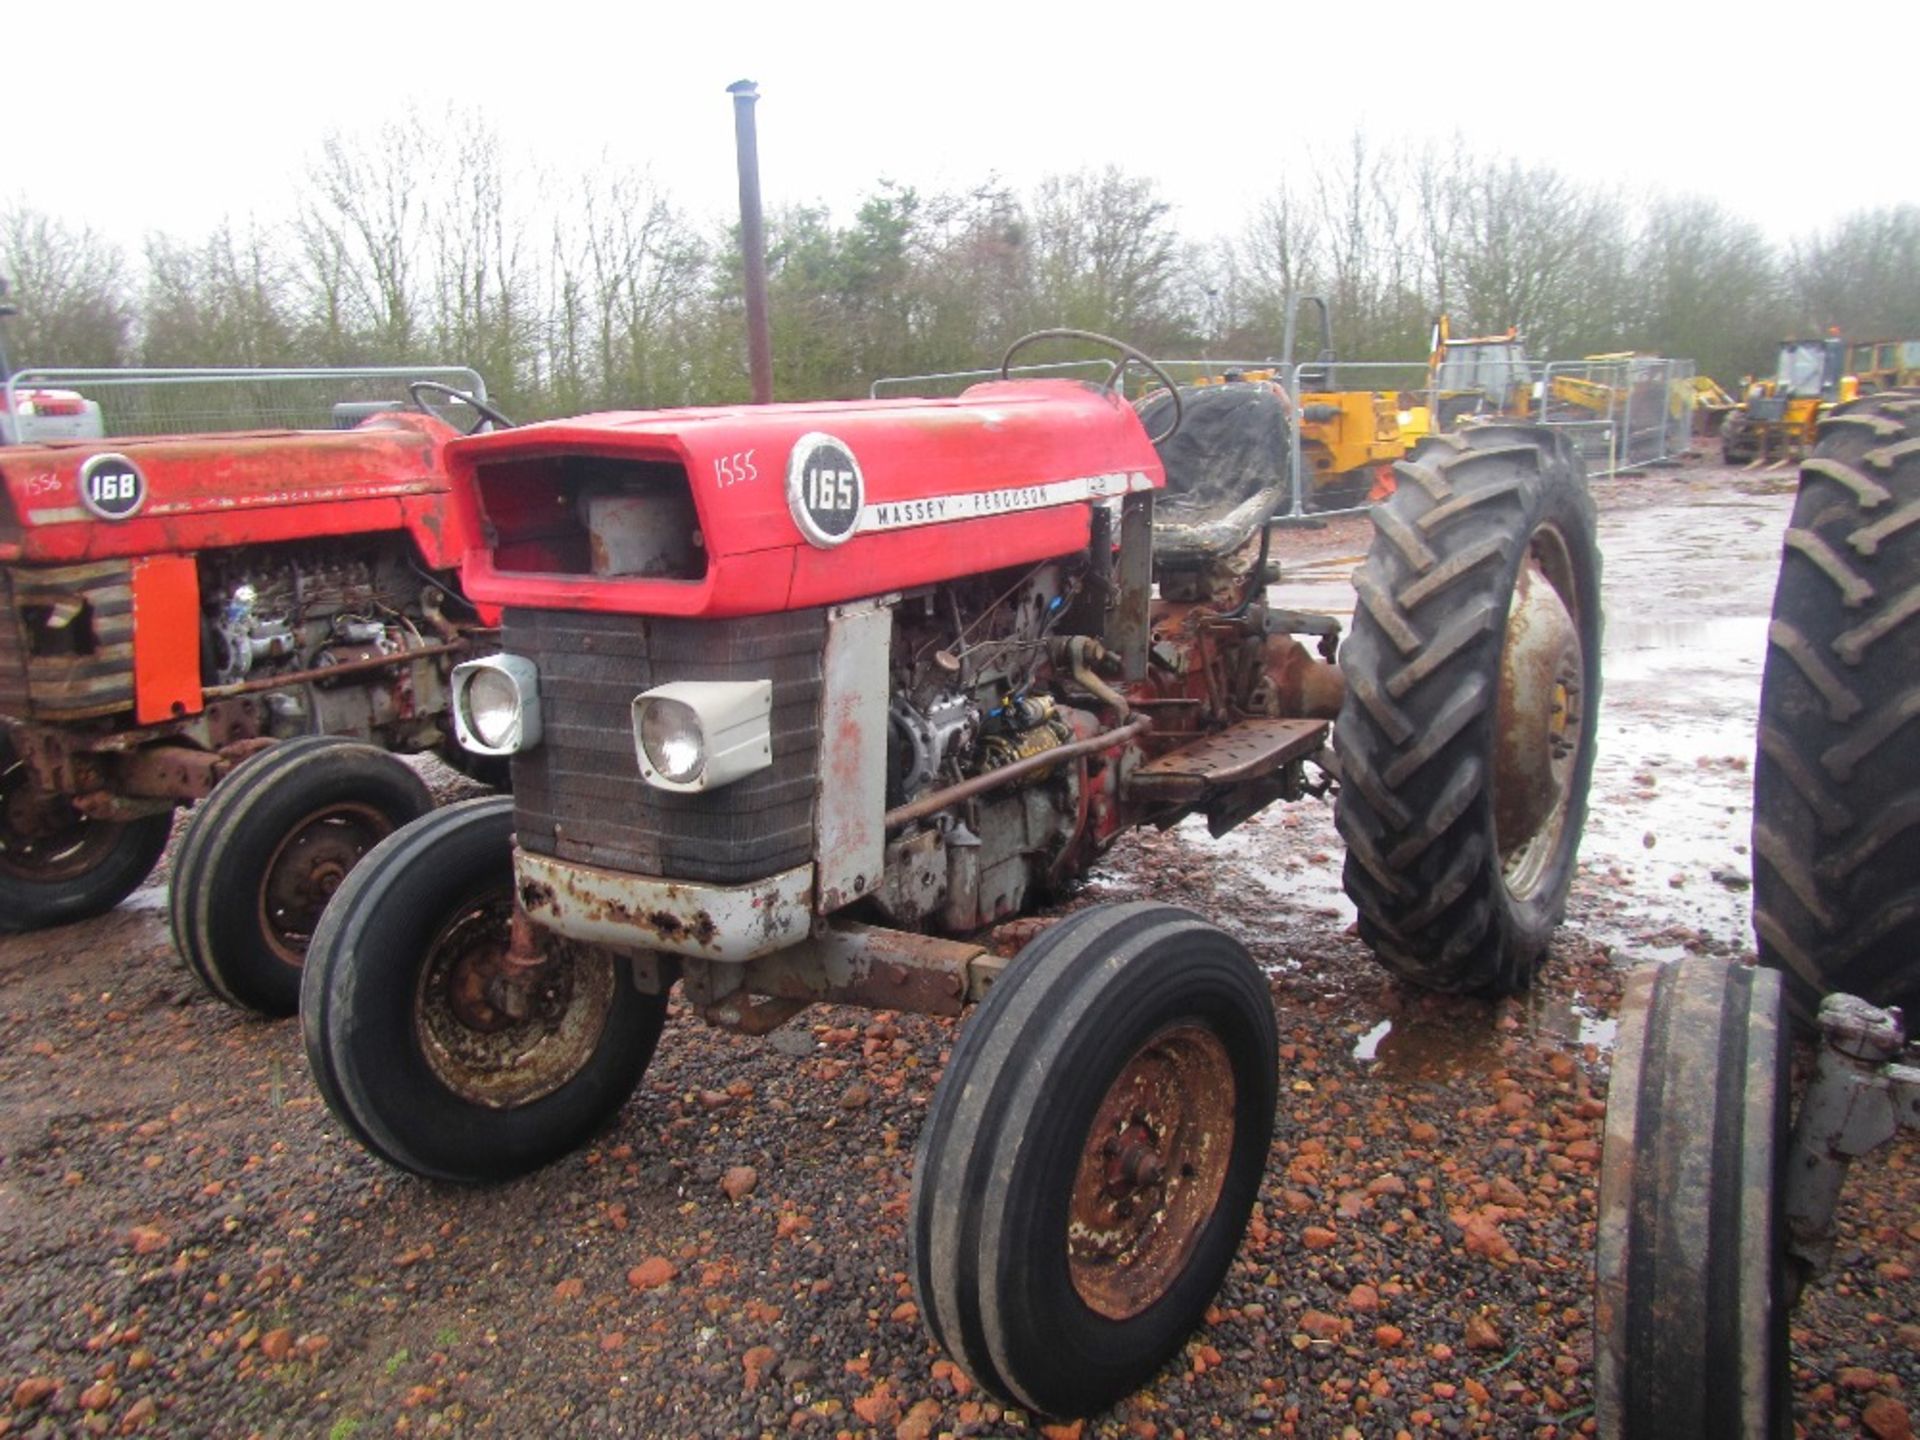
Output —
(1836, 784)
(264, 853)
(1092, 1155)
(434, 1049)
(1473, 684)
(1690, 1293)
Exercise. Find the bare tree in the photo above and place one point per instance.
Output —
(1106, 256)
(362, 227)
(1862, 276)
(225, 302)
(71, 289)
(1705, 285)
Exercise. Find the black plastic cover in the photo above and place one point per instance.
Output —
(1226, 467)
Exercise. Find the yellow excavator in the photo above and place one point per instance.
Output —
(1884, 364)
(1777, 418)
(1349, 439)
(1478, 375)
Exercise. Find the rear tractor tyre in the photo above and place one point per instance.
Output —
(1836, 783)
(262, 856)
(438, 1054)
(1473, 683)
(1691, 1275)
(1092, 1155)
(56, 865)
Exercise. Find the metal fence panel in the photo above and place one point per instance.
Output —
(196, 401)
(1623, 411)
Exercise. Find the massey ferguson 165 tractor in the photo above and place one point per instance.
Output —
(800, 698)
(170, 607)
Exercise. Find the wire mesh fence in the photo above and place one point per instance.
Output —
(1623, 411)
(185, 402)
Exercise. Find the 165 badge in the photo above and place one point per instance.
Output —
(825, 490)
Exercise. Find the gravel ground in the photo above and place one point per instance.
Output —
(190, 1245)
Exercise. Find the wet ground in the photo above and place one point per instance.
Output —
(189, 1244)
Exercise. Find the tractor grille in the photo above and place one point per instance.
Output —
(578, 794)
(66, 640)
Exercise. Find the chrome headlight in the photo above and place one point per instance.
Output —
(496, 705)
(696, 735)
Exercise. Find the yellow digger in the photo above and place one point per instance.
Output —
(1349, 439)
(1478, 375)
(1777, 418)
(1884, 364)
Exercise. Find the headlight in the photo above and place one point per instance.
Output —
(496, 705)
(696, 735)
(671, 739)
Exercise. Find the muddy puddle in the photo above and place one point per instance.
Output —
(1688, 588)
(1434, 1042)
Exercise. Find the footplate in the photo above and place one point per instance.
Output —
(1245, 750)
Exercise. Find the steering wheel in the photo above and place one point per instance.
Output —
(486, 412)
(1116, 369)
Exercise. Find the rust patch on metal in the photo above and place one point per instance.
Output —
(501, 1033)
(1151, 1171)
(698, 927)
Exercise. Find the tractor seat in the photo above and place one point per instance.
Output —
(1226, 468)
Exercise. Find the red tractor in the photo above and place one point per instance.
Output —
(800, 698)
(171, 607)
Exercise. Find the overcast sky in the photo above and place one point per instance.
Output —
(171, 115)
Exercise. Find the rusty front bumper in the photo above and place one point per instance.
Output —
(641, 912)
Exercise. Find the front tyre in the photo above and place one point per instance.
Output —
(1473, 682)
(263, 855)
(57, 865)
(434, 1052)
(1092, 1155)
(1691, 1285)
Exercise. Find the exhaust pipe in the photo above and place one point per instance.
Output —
(753, 241)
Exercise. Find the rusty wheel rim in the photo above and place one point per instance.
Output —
(1541, 719)
(43, 839)
(499, 1034)
(306, 867)
(1151, 1172)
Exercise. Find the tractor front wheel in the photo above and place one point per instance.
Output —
(265, 852)
(1691, 1294)
(1092, 1155)
(57, 865)
(1473, 680)
(431, 1043)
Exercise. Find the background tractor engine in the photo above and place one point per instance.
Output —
(270, 611)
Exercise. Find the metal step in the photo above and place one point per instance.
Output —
(1245, 750)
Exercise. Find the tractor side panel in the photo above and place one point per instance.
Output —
(206, 492)
(166, 638)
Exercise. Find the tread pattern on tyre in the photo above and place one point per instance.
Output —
(198, 912)
(981, 1121)
(337, 929)
(1421, 671)
(1690, 1304)
(1837, 773)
